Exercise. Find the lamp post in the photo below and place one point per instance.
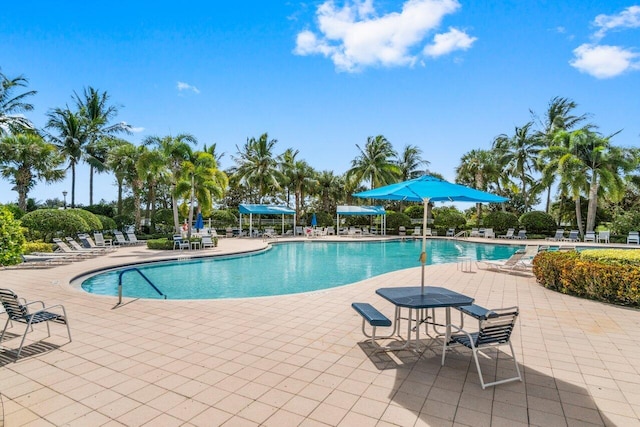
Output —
(64, 194)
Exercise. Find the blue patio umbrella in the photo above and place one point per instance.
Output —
(199, 222)
(314, 220)
(427, 189)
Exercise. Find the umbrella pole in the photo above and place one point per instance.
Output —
(423, 254)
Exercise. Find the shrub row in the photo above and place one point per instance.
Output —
(613, 278)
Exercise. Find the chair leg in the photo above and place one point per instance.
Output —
(506, 380)
(5, 329)
(26, 330)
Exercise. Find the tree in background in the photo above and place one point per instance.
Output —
(257, 166)
(376, 164)
(12, 105)
(26, 158)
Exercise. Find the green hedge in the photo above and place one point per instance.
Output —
(11, 238)
(31, 247)
(613, 278)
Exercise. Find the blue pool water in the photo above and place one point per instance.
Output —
(286, 268)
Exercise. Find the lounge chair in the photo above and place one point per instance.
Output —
(331, 231)
(179, 243)
(133, 240)
(489, 233)
(402, 231)
(574, 236)
(475, 232)
(522, 235)
(269, 234)
(120, 240)
(507, 264)
(494, 331)
(18, 310)
(101, 241)
(79, 248)
(65, 249)
(373, 230)
(207, 242)
(299, 231)
(603, 236)
(589, 236)
(558, 237)
(88, 242)
(450, 232)
(509, 234)
(229, 232)
(417, 231)
(427, 232)
(633, 238)
(39, 261)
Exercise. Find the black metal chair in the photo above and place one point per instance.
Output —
(494, 331)
(17, 310)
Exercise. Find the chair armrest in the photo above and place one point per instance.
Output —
(64, 312)
(27, 304)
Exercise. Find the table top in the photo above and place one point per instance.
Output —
(432, 297)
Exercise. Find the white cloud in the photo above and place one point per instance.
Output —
(186, 86)
(448, 42)
(355, 37)
(628, 18)
(137, 129)
(602, 61)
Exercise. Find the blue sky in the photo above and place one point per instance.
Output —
(320, 76)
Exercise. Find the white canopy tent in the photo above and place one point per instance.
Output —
(264, 210)
(362, 210)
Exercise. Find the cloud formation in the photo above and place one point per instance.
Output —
(354, 36)
(606, 61)
(186, 86)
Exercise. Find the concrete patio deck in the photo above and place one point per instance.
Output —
(302, 360)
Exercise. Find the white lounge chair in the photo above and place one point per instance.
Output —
(590, 236)
(489, 233)
(475, 232)
(509, 234)
(451, 232)
(603, 236)
(522, 235)
(427, 232)
(417, 231)
(207, 242)
(633, 238)
(574, 236)
(101, 241)
(558, 237)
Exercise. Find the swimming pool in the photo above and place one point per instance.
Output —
(285, 269)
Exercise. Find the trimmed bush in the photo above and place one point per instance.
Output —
(45, 224)
(160, 244)
(91, 219)
(31, 247)
(107, 223)
(592, 276)
(537, 222)
(415, 211)
(396, 219)
(11, 238)
(500, 221)
(448, 217)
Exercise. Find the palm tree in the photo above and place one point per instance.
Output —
(410, 161)
(93, 106)
(202, 181)
(120, 149)
(11, 106)
(71, 139)
(26, 158)
(477, 169)
(557, 118)
(589, 162)
(303, 181)
(375, 164)
(518, 154)
(153, 170)
(257, 167)
(176, 150)
(331, 190)
(286, 162)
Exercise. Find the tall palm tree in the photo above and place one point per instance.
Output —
(71, 139)
(410, 162)
(93, 106)
(153, 171)
(331, 190)
(12, 105)
(303, 181)
(201, 180)
(256, 165)
(26, 158)
(518, 154)
(124, 162)
(120, 149)
(477, 169)
(176, 150)
(590, 162)
(286, 162)
(375, 164)
(558, 117)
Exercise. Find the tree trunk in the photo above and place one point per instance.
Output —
(73, 185)
(191, 197)
(119, 196)
(176, 219)
(593, 203)
(90, 185)
(579, 215)
(547, 209)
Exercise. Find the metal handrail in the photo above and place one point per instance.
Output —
(143, 276)
(461, 233)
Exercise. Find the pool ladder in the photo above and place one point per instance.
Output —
(143, 276)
